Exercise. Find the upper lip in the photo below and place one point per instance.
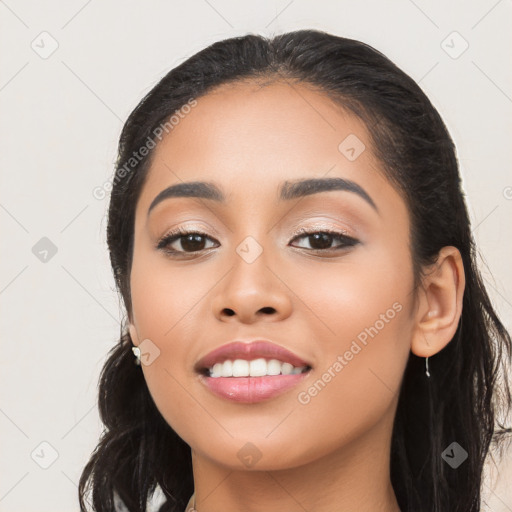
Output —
(248, 351)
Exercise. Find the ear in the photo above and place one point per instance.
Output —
(133, 333)
(439, 303)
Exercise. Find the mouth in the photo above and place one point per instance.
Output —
(255, 359)
(259, 367)
(251, 372)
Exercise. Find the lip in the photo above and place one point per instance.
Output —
(252, 389)
(248, 351)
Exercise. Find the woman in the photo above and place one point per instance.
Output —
(290, 239)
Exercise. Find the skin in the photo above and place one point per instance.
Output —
(332, 453)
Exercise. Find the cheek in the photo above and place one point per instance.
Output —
(164, 293)
(165, 301)
(364, 296)
(361, 315)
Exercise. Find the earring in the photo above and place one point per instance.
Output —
(426, 367)
(136, 352)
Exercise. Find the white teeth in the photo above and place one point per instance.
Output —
(286, 368)
(227, 369)
(240, 368)
(255, 368)
(258, 368)
(216, 370)
(273, 367)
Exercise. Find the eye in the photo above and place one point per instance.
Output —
(190, 241)
(195, 241)
(322, 240)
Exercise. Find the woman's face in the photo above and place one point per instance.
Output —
(346, 308)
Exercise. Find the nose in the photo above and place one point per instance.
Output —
(252, 292)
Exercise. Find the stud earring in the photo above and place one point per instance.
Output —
(136, 352)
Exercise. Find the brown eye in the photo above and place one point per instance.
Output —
(193, 242)
(322, 240)
(190, 242)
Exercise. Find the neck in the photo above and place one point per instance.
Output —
(354, 478)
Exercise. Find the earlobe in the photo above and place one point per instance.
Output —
(440, 304)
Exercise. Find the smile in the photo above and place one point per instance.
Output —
(254, 368)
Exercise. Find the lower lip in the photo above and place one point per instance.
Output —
(252, 389)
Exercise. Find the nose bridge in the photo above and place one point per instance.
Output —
(251, 288)
(250, 275)
(251, 236)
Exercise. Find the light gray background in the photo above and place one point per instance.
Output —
(61, 115)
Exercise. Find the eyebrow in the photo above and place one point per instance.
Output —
(289, 190)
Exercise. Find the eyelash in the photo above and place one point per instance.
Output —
(165, 241)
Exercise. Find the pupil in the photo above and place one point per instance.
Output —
(192, 243)
(321, 240)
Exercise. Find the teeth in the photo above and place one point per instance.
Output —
(240, 368)
(255, 368)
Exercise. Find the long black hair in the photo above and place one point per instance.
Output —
(468, 388)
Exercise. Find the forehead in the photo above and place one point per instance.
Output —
(250, 138)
